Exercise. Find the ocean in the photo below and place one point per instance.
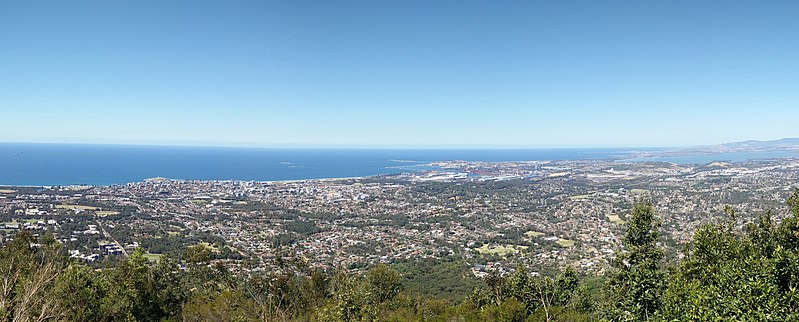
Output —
(71, 164)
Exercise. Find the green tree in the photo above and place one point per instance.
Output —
(636, 282)
(81, 289)
(135, 291)
(29, 269)
(729, 275)
(352, 300)
(224, 306)
(385, 282)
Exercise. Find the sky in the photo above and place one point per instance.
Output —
(399, 73)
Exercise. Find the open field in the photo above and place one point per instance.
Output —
(579, 197)
(533, 234)
(565, 243)
(20, 221)
(209, 246)
(7, 191)
(153, 257)
(75, 207)
(499, 249)
(616, 219)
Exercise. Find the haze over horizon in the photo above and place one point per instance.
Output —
(234, 145)
(410, 74)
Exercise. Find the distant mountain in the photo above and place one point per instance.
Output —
(787, 144)
(753, 145)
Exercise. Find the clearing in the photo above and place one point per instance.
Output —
(565, 243)
(499, 249)
(153, 257)
(616, 219)
(76, 207)
(533, 234)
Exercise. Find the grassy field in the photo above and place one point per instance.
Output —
(15, 221)
(565, 243)
(75, 207)
(616, 219)
(533, 234)
(209, 246)
(7, 191)
(153, 257)
(499, 249)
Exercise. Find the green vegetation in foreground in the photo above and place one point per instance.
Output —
(448, 279)
(728, 274)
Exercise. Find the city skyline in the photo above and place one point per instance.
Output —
(411, 74)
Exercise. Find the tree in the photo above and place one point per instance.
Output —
(136, 291)
(385, 282)
(80, 288)
(636, 282)
(729, 275)
(29, 271)
(352, 300)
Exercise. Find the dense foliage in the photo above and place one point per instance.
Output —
(730, 272)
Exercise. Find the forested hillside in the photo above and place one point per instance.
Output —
(733, 270)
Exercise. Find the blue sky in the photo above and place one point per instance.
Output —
(399, 73)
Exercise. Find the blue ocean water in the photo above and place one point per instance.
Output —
(65, 164)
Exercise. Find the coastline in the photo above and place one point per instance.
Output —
(63, 166)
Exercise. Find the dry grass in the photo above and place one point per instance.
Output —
(75, 207)
(565, 243)
(533, 234)
(616, 219)
(499, 249)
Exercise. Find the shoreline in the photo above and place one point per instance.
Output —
(87, 186)
(700, 159)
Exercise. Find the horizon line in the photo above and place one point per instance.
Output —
(235, 145)
(344, 146)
